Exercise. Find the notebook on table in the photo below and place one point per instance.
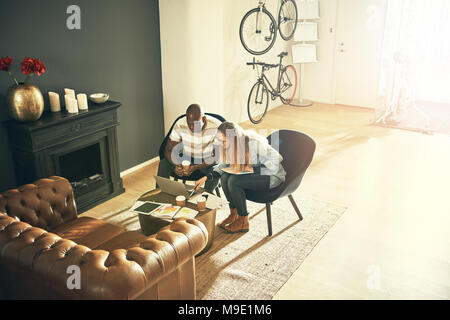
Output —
(163, 210)
(235, 172)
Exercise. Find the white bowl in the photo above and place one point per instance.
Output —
(99, 97)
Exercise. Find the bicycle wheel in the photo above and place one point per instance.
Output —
(258, 31)
(288, 84)
(258, 102)
(287, 19)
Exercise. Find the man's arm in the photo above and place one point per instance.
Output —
(173, 141)
(194, 167)
(168, 151)
(205, 164)
(170, 145)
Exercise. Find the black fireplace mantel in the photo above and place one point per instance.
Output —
(60, 143)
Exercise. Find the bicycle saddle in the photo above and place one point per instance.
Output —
(283, 54)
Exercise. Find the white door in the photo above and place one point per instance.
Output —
(359, 35)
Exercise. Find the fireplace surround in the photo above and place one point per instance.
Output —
(80, 147)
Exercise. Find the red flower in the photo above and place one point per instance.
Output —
(27, 66)
(39, 67)
(33, 66)
(5, 63)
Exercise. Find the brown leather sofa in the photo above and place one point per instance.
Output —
(41, 237)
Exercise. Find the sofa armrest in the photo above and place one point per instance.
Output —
(154, 258)
(119, 274)
(46, 203)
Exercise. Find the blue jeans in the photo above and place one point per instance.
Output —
(234, 188)
(165, 169)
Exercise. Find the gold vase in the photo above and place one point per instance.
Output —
(25, 102)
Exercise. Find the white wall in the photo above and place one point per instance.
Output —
(203, 60)
(357, 69)
(191, 56)
(318, 77)
(239, 78)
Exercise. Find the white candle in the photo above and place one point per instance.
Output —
(70, 92)
(54, 101)
(71, 104)
(82, 101)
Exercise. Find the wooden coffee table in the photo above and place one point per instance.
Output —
(151, 225)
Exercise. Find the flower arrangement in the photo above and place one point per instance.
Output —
(29, 67)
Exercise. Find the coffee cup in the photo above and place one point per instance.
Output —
(181, 201)
(186, 164)
(201, 203)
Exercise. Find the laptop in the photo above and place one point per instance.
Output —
(176, 188)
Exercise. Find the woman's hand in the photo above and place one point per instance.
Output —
(200, 182)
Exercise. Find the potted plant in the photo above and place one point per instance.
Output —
(25, 101)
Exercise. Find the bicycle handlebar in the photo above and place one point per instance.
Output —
(267, 65)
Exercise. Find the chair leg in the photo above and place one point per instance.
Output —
(218, 192)
(269, 219)
(295, 207)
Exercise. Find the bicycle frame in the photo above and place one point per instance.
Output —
(261, 6)
(274, 93)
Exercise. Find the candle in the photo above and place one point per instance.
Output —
(70, 92)
(71, 104)
(54, 102)
(82, 101)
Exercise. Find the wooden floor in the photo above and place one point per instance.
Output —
(393, 242)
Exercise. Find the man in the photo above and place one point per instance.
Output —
(194, 136)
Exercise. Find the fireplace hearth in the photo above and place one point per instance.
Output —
(80, 147)
(81, 164)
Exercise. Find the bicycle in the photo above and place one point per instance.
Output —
(258, 99)
(258, 29)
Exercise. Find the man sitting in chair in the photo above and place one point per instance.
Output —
(192, 135)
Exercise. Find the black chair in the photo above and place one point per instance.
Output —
(195, 175)
(297, 150)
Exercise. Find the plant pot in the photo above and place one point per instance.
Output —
(25, 102)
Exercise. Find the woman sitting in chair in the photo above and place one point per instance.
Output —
(243, 150)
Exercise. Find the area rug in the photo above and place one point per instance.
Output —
(255, 266)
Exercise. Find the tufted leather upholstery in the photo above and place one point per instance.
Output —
(87, 231)
(46, 203)
(34, 261)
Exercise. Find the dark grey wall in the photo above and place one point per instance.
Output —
(117, 51)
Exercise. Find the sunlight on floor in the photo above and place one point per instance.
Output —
(395, 185)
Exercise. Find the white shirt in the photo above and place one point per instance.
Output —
(199, 144)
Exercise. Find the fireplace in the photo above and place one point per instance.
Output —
(89, 171)
(80, 147)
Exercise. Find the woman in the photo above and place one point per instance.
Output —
(242, 150)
